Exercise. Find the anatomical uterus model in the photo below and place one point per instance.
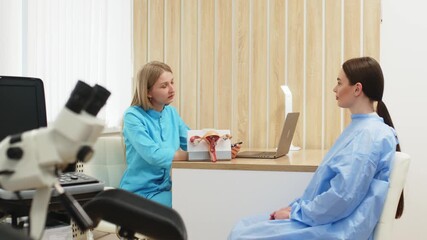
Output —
(211, 137)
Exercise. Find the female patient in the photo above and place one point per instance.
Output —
(345, 197)
(154, 135)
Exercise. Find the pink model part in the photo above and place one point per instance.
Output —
(211, 138)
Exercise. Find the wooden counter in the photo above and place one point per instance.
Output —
(296, 161)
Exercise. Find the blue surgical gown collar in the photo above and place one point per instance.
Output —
(365, 115)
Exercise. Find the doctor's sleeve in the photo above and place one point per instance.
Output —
(137, 134)
(183, 130)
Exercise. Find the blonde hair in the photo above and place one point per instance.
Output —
(147, 77)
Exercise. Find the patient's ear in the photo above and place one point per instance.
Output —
(358, 89)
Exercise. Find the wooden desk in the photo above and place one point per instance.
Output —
(212, 197)
(295, 161)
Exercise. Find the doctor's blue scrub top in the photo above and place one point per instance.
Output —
(345, 197)
(151, 140)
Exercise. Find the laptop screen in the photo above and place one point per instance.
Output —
(287, 133)
(285, 140)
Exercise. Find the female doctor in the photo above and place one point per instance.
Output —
(154, 135)
(345, 197)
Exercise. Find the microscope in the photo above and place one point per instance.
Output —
(34, 159)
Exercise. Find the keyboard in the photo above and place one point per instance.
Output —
(257, 154)
(75, 178)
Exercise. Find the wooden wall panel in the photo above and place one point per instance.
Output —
(371, 25)
(314, 60)
(172, 43)
(189, 83)
(276, 100)
(156, 30)
(230, 57)
(224, 63)
(258, 74)
(295, 62)
(140, 33)
(207, 64)
(332, 66)
(241, 50)
(352, 45)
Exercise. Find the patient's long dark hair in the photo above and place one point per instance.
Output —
(367, 71)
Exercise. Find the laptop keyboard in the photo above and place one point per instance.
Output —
(266, 154)
(255, 154)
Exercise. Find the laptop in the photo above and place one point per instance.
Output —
(284, 142)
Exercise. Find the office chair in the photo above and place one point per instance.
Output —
(135, 214)
(399, 171)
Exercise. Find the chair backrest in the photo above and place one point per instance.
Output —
(109, 160)
(399, 171)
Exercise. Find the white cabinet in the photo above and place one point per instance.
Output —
(212, 201)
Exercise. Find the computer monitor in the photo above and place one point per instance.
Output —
(22, 105)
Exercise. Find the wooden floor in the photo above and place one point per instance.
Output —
(97, 235)
(104, 236)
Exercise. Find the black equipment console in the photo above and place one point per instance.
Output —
(75, 178)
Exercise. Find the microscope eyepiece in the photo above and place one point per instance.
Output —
(79, 96)
(98, 100)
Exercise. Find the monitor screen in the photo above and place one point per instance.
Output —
(22, 105)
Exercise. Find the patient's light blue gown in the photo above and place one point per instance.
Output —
(346, 195)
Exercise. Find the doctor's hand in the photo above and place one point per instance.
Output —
(282, 213)
(180, 155)
(234, 150)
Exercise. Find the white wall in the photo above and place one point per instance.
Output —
(92, 42)
(403, 58)
(10, 38)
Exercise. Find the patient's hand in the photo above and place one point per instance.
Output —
(282, 213)
(234, 150)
